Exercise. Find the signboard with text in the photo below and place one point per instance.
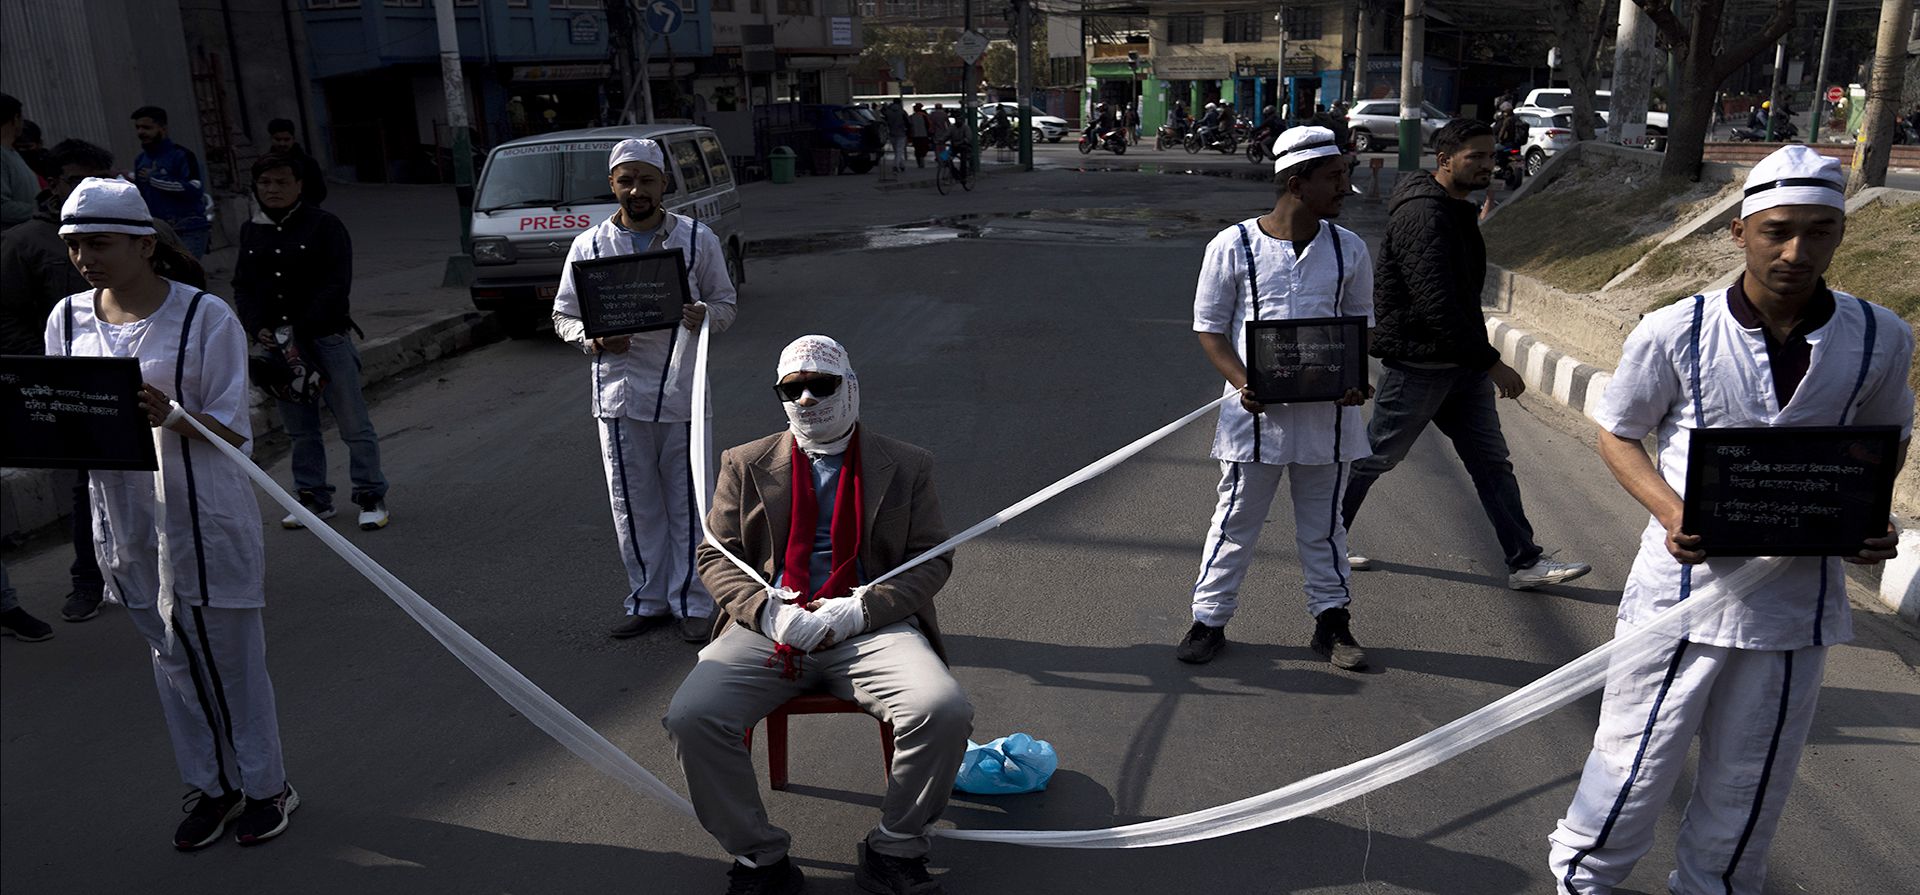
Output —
(1306, 359)
(629, 294)
(1789, 491)
(73, 413)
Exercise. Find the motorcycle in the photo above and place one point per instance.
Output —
(1114, 141)
(1260, 146)
(1784, 131)
(1170, 135)
(1222, 139)
(1508, 166)
(999, 136)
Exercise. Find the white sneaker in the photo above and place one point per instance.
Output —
(293, 523)
(374, 517)
(1359, 563)
(1546, 572)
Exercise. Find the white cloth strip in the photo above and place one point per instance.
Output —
(530, 701)
(1330, 788)
(698, 446)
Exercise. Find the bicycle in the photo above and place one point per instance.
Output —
(952, 169)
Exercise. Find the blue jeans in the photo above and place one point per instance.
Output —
(1460, 402)
(336, 355)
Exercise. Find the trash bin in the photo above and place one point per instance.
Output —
(780, 164)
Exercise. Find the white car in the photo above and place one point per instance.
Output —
(1045, 127)
(1375, 123)
(1561, 97)
(1548, 132)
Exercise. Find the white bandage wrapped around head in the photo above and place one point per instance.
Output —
(105, 205)
(827, 426)
(637, 150)
(1299, 144)
(1794, 175)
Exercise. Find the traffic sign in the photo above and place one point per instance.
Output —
(1835, 94)
(663, 16)
(970, 47)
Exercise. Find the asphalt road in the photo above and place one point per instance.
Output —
(1017, 349)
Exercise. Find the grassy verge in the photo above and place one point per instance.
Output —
(1579, 232)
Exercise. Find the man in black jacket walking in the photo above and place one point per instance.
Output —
(313, 182)
(291, 284)
(1432, 340)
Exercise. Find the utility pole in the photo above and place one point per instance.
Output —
(1775, 95)
(1356, 91)
(970, 93)
(1284, 100)
(460, 267)
(1023, 79)
(1413, 41)
(642, 42)
(1817, 113)
(1883, 96)
(1632, 75)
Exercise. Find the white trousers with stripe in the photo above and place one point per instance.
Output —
(1751, 710)
(1246, 494)
(650, 486)
(217, 698)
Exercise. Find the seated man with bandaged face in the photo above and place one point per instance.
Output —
(819, 510)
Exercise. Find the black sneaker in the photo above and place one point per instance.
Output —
(696, 630)
(1332, 638)
(21, 624)
(81, 605)
(315, 504)
(207, 817)
(889, 875)
(265, 818)
(1201, 644)
(636, 625)
(781, 878)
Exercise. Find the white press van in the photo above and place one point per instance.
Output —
(536, 193)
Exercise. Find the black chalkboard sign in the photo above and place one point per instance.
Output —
(73, 413)
(631, 293)
(1789, 491)
(1306, 359)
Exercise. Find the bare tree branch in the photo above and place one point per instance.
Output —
(1736, 54)
(1661, 12)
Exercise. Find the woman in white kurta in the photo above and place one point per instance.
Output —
(182, 548)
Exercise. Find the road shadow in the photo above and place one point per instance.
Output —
(1594, 595)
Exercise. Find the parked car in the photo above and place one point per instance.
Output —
(1561, 99)
(1045, 127)
(1548, 132)
(537, 193)
(1375, 123)
(854, 130)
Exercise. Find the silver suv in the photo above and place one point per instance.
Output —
(1375, 123)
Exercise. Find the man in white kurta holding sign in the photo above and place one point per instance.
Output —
(1288, 263)
(1777, 349)
(643, 395)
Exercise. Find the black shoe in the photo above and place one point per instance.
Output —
(207, 817)
(695, 630)
(1201, 644)
(21, 624)
(889, 875)
(81, 605)
(1332, 638)
(781, 878)
(636, 625)
(265, 818)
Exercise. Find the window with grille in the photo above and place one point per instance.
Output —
(333, 4)
(795, 7)
(1304, 23)
(1241, 28)
(1186, 29)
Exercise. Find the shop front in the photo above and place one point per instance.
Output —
(1193, 80)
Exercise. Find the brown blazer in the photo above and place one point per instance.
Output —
(752, 504)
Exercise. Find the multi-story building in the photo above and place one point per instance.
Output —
(1228, 56)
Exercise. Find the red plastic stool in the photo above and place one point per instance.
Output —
(812, 704)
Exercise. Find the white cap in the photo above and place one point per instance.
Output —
(637, 150)
(105, 205)
(1794, 175)
(1298, 144)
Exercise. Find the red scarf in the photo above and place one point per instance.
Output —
(803, 523)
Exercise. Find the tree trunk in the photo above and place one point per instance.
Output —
(1883, 95)
(1689, 117)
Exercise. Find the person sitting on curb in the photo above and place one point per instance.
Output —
(818, 510)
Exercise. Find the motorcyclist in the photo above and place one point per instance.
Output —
(1001, 128)
(1101, 123)
(1209, 124)
(1509, 129)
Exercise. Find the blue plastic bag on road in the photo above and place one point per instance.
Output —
(1010, 764)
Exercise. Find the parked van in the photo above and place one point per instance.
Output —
(536, 193)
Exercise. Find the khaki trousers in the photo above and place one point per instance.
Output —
(892, 673)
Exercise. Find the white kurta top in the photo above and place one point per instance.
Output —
(1652, 392)
(636, 384)
(1320, 282)
(212, 520)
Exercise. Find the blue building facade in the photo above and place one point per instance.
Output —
(530, 66)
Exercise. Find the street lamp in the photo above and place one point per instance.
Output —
(1133, 62)
(1280, 67)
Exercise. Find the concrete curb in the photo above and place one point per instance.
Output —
(1579, 385)
(36, 499)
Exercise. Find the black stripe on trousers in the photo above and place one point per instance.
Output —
(620, 471)
(206, 708)
(219, 690)
(1620, 802)
(1766, 775)
(186, 449)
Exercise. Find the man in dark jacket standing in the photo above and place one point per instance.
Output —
(35, 273)
(313, 181)
(291, 283)
(170, 179)
(1432, 340)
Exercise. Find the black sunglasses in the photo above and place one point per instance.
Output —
(820, 386)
